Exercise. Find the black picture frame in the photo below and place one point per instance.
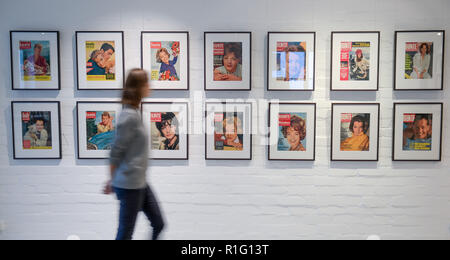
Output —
(59, 134)
(78, 126)
(268, 60)
(378, 132)
(378, 60)
(395, 121)
(206, 133)
(395, 58)
(315, 131)
(12, 60)
(205, 57)
(188, 56)
(187, 128)
(76, 54)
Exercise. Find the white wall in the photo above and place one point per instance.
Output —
(229, 200)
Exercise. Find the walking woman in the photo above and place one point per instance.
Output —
(128, 162)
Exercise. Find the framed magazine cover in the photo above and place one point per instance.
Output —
(100, 60)
(417, 132)
(166, 56)
(168, 126)
(36, 129)
(35, 62)
(355, 131)
(355, 61)
(291, 61)
(419, 60)
(97, 123)
(228, 129)
(292, 131)
(228, 61)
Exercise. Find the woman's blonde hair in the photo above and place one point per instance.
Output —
(158, 59)
(132, 93)
(232, 120)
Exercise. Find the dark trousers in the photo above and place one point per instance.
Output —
(131, 203)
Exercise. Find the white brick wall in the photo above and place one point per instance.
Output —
(229, 200)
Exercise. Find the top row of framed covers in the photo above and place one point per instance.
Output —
(355, 60)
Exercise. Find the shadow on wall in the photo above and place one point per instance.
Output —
(417, 165)
(425, 96)
(353, 95)
(228, 163)
(306, 165)
(353, 165)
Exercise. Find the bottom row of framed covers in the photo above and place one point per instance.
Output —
(355, 130)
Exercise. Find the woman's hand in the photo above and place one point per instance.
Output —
(233, 144)
(108, 188)
(219, 76)
(232, 77)
(37, 67)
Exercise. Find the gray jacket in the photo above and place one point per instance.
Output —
(130, 151)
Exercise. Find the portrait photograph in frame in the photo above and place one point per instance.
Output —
(36, 129)
(228, 61)
(419, 60)
(100, 60)
(167, 124)
(291, 61)
(35, 61)
(165, 55)
(97, 123)
(417, 132)
(355, 131)
(228, 131)
(292, 131)
(355, 58)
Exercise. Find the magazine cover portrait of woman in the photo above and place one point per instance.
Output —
(355, 132)
(292, 134)
(228, 133)
(165, 132)
(164, 61)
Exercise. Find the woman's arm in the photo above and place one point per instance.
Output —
(219, 76)
(46, 67)
(427, 63)
(108, 186)
(43, 140)
(232, 77)
(416, 61)
(124, 135)
(174, 61)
